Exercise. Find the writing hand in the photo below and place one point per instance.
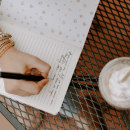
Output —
(16, 61)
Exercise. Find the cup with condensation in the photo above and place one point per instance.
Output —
(103, 83)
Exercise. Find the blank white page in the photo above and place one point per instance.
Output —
(61, 56)
(65, 20)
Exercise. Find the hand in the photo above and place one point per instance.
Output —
(16, 61)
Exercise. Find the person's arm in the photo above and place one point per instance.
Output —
(16, 61)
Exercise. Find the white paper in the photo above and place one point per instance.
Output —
(68, 21)
(61, 56)
(65, 20)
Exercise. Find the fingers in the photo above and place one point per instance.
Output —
(14, 87)
(22, 93)
(33, 87)
(24, 88)
(18, 92)
(42, 83)
(40, 65)
(28, 86)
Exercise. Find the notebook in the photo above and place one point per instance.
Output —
(54, 31)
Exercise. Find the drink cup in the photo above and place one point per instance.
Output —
(106, 73)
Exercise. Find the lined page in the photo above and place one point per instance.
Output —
(61, 56)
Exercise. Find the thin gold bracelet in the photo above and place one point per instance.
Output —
(5, 42)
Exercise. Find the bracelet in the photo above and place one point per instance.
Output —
(5, 48)
(5, 42)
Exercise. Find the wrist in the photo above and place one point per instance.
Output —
(5, 44)
(6, 55)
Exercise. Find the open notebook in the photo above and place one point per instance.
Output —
(55, 32)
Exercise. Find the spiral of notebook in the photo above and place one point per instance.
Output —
(54, 31)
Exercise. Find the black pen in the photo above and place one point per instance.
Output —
(20, 76)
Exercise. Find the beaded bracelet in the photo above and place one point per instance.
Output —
(5, 42)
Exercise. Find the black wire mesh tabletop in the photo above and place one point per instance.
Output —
(83, 107)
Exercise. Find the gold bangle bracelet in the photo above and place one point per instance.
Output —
(5, 42)
(5, 48)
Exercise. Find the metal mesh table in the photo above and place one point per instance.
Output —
(83, 106)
